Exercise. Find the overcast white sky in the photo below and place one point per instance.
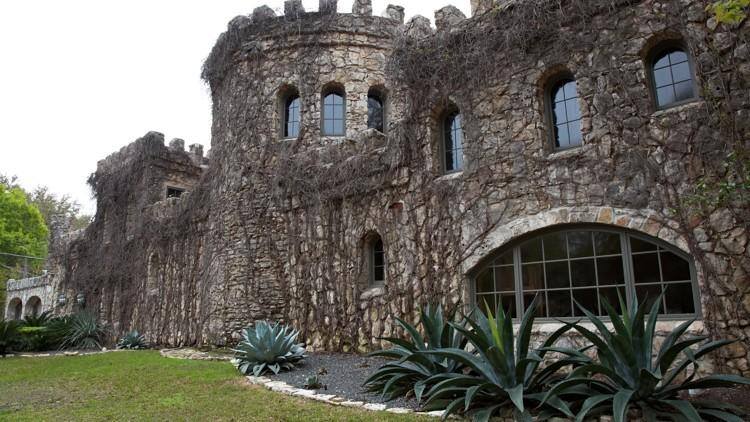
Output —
(79, 79)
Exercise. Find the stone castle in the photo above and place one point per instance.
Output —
(363, 166)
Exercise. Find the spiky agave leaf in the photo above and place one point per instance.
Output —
(265, 347)
(631, 373)
(132, 341)
(82, 331)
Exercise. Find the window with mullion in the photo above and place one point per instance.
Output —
(672, 77)
(334, 115)
(292, 117)
(377, 260)
(566, 115)
(453, 139)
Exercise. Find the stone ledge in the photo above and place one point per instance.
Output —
(192, 354)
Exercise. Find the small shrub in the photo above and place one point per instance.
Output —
(9, 337)
(81, 331)
(40, 320)
(267, 347)
(408, 373)
(34, 338)
(502, 377)
(314, 383)
(132, 341)
(630, 372)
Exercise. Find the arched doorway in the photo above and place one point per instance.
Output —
(15, 309)
(34, 306)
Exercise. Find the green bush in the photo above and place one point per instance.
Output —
(40, 320)
(630, 372)
(502, 377)
(410, 370)
(267, 347)
(34, 338)
(132, 341)
(9, 337)
(80, 331)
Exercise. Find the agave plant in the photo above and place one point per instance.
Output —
(409, 372)
(40, 320)
(9, 337)
(132, 341)
(267, 347)
(502, 377)
(82, 331)
(631, 373)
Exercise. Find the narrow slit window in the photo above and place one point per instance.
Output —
(566, 115)
(173, 192)
(292, 117)
(375, 112)
(453, 140)
(377, 262)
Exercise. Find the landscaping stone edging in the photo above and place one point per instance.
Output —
(193, 354)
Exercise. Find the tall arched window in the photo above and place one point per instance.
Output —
(375, 110)
(34, 306)
(292, 116)
(565, 112)
(587, 264)
(334, 112)
(453, 142)
(15, 309)
(671, 76)
(376, 260)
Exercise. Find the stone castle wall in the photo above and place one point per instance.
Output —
(277, 228)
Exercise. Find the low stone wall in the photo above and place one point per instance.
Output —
(27, 292)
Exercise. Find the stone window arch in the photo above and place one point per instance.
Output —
(34, 306)
(563, 109)
(290, 106)
(376, 109)
(333, 117)
(375, 260)
(451, 148)
(15, 309)
(587, 263)
(671, 74)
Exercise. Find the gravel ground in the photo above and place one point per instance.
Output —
(344, 376)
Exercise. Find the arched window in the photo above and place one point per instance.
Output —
(565, 112)
(334, 112)
(375, 110)
(292, 116)
(587, 264)
(453, 142)
(15, 309)
(34, 306)
(671, 76)
(376, 258)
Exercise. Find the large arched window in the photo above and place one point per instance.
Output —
(334, 112)
(671, 76)
(587, 264)
(565, 113)
(375, 110)
(453, 142)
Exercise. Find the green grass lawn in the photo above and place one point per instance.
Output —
(145, 386)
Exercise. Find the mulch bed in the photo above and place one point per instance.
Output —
(343, 375)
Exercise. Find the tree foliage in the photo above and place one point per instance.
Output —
(730, 12)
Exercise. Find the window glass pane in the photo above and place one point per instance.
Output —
(328, 127)
(678, 56)
(673, 267)
(587, 299)
(679, 298)
(572, 109)
(662, 77)
(379, 274)
(533, 276)
(558, 94)
(681, 72)
(570, 89)
(338, 127)
(508, 303)
(555, 246)
(612, 296)
(648, 294)
(583, 272)
(505, 259)
(531, 251)
(662, 61)
(541, 303)
(606, 243)
(559, 303)
(485, 281)
(559, 113)
(574, 132)
(504, 279)
(562, 139)
(665, 95)
(646, 268)
(683, 91)
(375, 115)
(610, 271)
(378, 258)
(580, 244)
(638, 245)
(557, 275)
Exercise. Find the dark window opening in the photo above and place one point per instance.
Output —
(375, 112)
(292, 116)
(672, 77)
(566, 115)
(453, 140)
(587, 266)
(377, 262)
(174, 192)
(334, 113)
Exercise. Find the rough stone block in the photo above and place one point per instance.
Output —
(328, 6)
(293, 8)
(262, 13)
(362, 7)
(395, 13)
(177, 144)
(196, 149)
(419, 27)
(479, 7)
(447, 17)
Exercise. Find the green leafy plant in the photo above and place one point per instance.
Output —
(630, 372)
(409, 372)
(730, 11)
(9, 337)
(314, 383)
(81, 331)
(40, 320)
(132, 341)
(502, 377)
(34, 338)
(265, 347)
